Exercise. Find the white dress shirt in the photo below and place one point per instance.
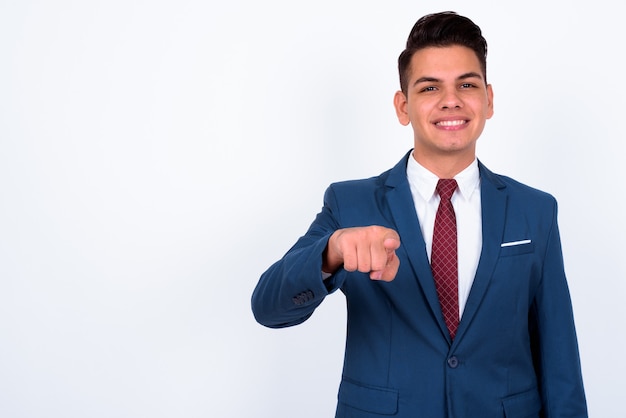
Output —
(466, 203)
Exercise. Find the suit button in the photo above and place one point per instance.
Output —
(453, 362)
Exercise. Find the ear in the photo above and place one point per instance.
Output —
(489, 101)
(400, 103)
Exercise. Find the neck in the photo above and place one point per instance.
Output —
(444, 167)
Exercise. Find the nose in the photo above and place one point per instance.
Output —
(450, 100)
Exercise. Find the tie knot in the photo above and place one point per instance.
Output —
(446, 187)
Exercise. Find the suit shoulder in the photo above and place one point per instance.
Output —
(526, 198)
(517, 187)
(363, 184)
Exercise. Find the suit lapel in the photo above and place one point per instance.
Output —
(402, 209)
(493, 208)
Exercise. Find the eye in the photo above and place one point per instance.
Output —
(467, 85)
(429, 88)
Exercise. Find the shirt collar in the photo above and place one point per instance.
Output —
(425, 182)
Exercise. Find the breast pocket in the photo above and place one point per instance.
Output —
(508, 249)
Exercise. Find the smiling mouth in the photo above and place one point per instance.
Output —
(451, 122)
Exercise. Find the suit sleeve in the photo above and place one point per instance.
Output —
(292, 288)
(555, 346)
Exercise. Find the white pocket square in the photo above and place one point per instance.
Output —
(513, 243)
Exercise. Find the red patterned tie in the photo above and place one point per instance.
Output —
(443, 259)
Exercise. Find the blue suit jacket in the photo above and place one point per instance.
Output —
(515, 353)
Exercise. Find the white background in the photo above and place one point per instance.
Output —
(157, 156)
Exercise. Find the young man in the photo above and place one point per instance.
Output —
(458, 305)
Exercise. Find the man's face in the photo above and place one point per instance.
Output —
(447, 103)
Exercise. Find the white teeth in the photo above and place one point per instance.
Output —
(451, 122)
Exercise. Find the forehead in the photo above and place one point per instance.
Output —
(444, 62)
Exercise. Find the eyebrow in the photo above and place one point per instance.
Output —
(465, 76)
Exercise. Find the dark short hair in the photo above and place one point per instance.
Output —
(441, 30)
